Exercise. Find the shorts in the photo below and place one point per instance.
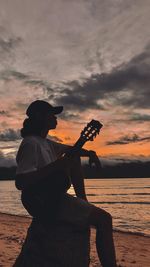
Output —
(74, 210)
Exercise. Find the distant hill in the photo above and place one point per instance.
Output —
(7, 173)
(135, 169)
(123, 170)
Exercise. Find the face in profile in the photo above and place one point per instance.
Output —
(50, 121)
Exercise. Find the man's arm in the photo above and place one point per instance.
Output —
(82, 152)
(85, 153)
(64, 148)
(93, 158)
(77, 177)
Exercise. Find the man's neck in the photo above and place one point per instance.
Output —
(44, 134)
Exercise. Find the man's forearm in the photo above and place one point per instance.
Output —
(77, 178)
(78, 185)
(85, 152)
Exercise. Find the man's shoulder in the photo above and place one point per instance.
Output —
(31, 141)
(27, 147)
(57, 146)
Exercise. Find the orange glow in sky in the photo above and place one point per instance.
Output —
(70, 132)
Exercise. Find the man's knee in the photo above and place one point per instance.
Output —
(100, 217)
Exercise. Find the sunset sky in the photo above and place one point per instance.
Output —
(92, 57)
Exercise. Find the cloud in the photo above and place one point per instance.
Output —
(27, 79)
(9, 74)
(66, 40)
(6, 161)
(55, 138)
(139, 117)
(53, 51)
(3, 112)
(127, 85)
(10, 135)
(128, 139)
(7, 45)
(14, 135)
(9, 42)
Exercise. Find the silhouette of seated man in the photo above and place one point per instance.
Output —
(38, 161)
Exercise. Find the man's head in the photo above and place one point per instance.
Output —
(41, 110)
(41, 118)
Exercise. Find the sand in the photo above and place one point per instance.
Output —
(132, 250)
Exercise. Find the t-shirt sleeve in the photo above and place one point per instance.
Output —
(27, 158)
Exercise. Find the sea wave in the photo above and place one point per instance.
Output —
(131, 232)
(119, 202)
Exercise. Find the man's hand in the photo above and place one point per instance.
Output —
(93, 159)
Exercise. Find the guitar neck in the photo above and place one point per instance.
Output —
(79, 143)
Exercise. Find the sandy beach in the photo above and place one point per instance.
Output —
(132, 250)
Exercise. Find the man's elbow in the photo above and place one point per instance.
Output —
(18, 182)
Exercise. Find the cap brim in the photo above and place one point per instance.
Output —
(58, 110)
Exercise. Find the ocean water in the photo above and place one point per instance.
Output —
(128, 201)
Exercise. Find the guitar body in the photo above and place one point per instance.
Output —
(44, 198)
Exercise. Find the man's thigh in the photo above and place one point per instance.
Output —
(75, 211)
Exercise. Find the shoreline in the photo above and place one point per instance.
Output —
(114, 230)
(131, 249)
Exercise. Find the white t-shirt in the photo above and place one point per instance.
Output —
(35, 152)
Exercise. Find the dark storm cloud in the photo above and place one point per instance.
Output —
(40, 83)
(18, 75)
(128, 85)
(128, 139)
(10, 135)
(132, 80)
(79, 99)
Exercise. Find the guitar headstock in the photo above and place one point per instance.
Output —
(91, 130)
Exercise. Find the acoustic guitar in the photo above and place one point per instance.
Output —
(42, 200)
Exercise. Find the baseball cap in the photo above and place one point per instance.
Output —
(43, 107)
